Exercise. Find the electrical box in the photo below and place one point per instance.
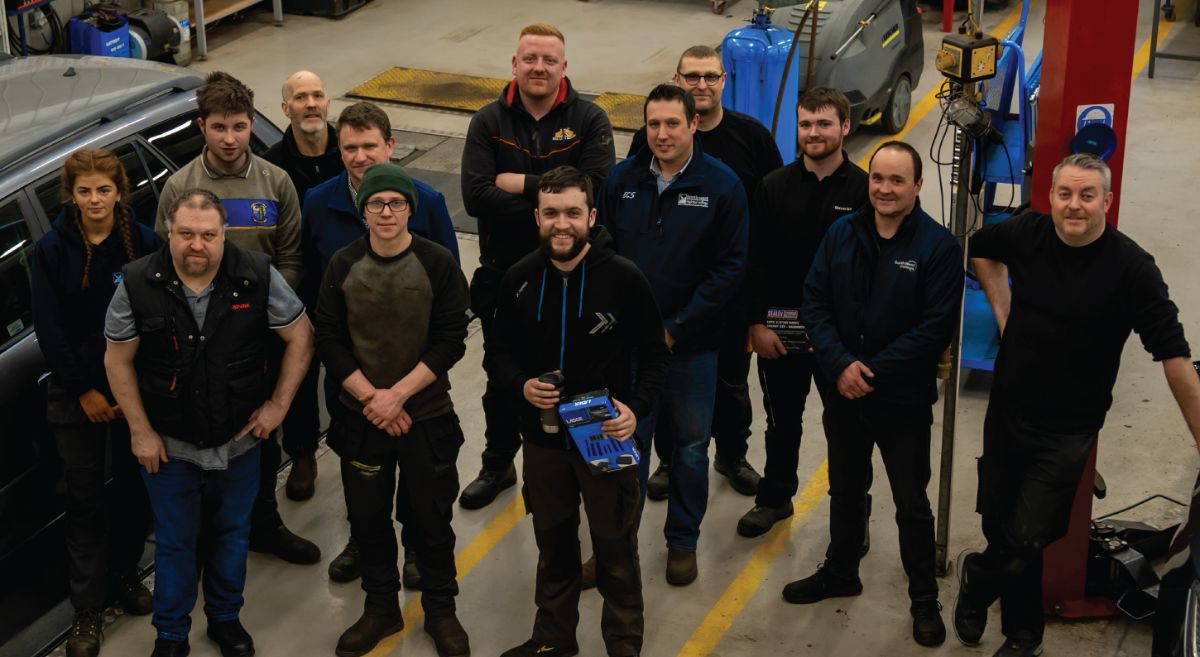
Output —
(965, 59)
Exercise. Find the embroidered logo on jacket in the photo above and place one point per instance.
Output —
(240, 306)
(628, 194)
(907, 265)
(692, 201)
(564, 134)
(841, 209)
(118, 276)
(258, 212)
(605, 324)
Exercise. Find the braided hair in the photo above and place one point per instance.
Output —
(94, 160)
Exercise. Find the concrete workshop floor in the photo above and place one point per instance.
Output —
(735, 608)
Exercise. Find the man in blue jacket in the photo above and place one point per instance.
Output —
(681, 216)
(881, 303)
(330, 222)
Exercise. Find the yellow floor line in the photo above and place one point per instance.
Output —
(738, 594)
(465, 561)
(929, 102)
(1142, 58)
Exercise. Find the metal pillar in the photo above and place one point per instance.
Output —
(4, 47)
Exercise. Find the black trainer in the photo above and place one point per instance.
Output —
(362, 637)
(410, 574)
(168, 648)
(287, 546)
(741, 475)
(1017, 648)
(969, 623)
(486, 487)
(344, 567)
(658, 487)
(131, 595)
(233, 639)
(86, 634)
(819, 586)
(928, 628)
(533, 648)
(760, 519)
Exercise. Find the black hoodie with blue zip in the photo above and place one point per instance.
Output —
(598, 324)
(890, 303)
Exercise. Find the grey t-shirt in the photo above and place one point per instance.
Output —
(283, 309)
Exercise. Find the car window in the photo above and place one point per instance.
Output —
(16, 255)
(181, 141)
(142, 196)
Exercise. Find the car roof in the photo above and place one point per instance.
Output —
(45, 99)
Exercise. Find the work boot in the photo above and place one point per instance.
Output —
(1019, 648)
(86, 634)
(131, 595)
(928, 628)
(287, 546)
(411, 575)
(969, 623)
(658, 486)
(587, 574)
(819, 586)
(366, 633)
(302, 480)
(344, 567)
(760, 519)
(740, 473)
(233, 639)
(168, 648)
(681, 567)
(448, 635)
(533, 648)
(487, 486)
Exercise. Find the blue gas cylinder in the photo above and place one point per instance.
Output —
(754, 57)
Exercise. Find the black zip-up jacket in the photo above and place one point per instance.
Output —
(892, 304)
(306, 171)
(596, 324)
(789, 215)
(505, 138)
(69, 320)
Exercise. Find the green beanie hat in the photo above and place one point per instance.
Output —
(386, 177)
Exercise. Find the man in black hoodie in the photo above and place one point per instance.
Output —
(537, 124)
(578, 308)
(881, 303)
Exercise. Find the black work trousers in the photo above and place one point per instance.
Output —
(785, 384)
(1027, 482)
(302, 425)
(423, 461)
(852, 430)
(502, 432)
(555, 480)
(106, 528)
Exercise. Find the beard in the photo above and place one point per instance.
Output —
(191, 267)
(830, 149)
(563, 256)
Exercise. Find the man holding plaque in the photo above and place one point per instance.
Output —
(789, 215)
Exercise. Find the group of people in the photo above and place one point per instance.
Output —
(652, 279)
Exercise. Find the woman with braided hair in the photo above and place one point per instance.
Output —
(76, 268)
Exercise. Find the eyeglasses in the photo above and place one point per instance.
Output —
(397, 206)
(694, 79)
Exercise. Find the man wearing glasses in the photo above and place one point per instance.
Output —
(741, 143)
(391, 321)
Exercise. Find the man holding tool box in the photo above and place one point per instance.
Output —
(574, 322)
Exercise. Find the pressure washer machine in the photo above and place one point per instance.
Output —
(872, 50)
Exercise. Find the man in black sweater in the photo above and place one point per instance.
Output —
(577, 308)
(308, 151)
(744, 145)
(789, 215)
(881, 303)
(391, 322)
(537, 124)
(1079, 287)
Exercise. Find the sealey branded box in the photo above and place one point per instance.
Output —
(582, 415)
(787, 325)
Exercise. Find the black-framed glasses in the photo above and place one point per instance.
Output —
(694, 79)
(396, 206)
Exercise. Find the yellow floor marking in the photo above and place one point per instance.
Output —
(1142, 58)
(930, 101)
(467, 559)
(738, 594)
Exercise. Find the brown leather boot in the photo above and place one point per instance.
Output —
(448, 635)
(362, 637)
(302, 480)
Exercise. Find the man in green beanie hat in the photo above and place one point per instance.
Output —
(391, 321)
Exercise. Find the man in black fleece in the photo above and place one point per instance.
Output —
(391, 322)
(578, 308)
(1079, 287)
(537, 124)
(881, 302)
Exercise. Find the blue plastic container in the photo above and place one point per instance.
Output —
(754, 57)
(87, 39)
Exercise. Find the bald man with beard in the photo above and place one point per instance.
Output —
(309, 149)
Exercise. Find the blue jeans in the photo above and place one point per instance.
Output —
(184, 498)
(681, 423)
